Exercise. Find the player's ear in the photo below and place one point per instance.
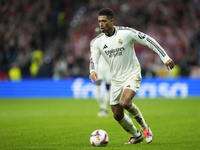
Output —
(112, 20)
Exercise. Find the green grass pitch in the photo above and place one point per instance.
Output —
(66, 124)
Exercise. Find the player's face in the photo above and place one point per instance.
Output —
(105, 24)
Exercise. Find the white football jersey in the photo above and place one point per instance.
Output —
(118, 51)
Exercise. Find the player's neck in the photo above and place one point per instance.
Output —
(112, 32)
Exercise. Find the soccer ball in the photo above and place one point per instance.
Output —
(99, 138)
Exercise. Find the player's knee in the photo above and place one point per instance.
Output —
(124, 104)
(118, 116)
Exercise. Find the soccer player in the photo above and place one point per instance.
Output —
(103, 75)
(116, 45)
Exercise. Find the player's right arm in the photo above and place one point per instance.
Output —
(94, 59)
(93, 76)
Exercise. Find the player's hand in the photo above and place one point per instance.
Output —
(169, 64)
(93, 76)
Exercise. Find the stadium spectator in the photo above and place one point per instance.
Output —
(15, 72)
(29, 25)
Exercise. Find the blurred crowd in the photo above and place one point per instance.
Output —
(51, 38)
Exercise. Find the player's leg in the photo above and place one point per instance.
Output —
(126, 102)
(98, 92)
(124, 120)
(99, 96)
(106, 98)
(132, 109)
(107, 79)
(103, 106)
(137, 115)
(121, 117)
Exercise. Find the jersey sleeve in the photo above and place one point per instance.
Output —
(94, 56)
(144, 39)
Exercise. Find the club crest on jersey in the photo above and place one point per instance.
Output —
(120, 42)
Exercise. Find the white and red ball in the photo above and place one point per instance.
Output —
(99, 138)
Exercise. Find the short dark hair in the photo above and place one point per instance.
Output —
(106, 12)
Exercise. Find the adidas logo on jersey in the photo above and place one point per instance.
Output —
(128, 86)
(105, 46)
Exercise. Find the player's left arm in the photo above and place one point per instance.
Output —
(169, 64)
(144, 39)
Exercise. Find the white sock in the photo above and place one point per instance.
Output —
(106, 101)
(137, 115)
(128, 125)
(99, 97)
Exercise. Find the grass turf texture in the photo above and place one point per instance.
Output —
(66, 124)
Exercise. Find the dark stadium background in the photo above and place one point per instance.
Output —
(49, 39)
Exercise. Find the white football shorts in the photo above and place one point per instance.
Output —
(117, 88)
